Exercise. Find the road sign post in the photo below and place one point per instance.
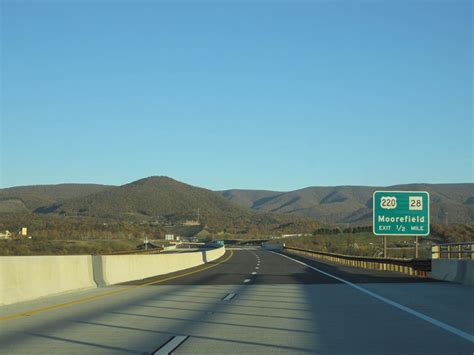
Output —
(401, 213)
(416, 247)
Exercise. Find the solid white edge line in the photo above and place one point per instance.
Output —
(433, 321)
(171, 345)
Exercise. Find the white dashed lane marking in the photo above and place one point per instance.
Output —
(229, 297)
(171, 345)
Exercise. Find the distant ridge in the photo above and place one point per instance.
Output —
(164, 197)
(353, 204)
(30, 198)
(156, 199)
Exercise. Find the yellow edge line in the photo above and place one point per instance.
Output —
(86, 299)
(189, 273)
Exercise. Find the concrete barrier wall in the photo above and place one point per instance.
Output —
(122, 268)
(24, 278)
(214, 254)
(268, 246)
(114, 269)
(170, 247)
(454, 270)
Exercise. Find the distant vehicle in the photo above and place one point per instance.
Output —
(216, 243)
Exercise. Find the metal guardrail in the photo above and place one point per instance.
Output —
(463, 250)
(156, 250)
(415, 267)
(132, 252)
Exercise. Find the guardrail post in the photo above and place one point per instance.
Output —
(435, 251)
(472, 251)
(449, 251)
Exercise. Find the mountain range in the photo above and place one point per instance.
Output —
(453, 203)
(157, 199)
(162, 197)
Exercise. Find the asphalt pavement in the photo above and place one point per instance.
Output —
(250, 301)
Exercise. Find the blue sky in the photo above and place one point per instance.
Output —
(237, 94)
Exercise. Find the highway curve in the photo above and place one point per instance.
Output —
(250, 301)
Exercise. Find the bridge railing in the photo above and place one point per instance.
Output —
(463, 250)
(415, 267)
(136, 252)
(156, 250)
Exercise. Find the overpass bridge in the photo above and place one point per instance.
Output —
(249, 301)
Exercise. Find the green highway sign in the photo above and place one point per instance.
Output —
(401, 213)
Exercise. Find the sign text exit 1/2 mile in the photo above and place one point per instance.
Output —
(401, 213)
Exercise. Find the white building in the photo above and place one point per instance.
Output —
(5, 235)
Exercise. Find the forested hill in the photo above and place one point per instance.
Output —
(153, 196)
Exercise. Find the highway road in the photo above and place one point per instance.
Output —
(250, 301)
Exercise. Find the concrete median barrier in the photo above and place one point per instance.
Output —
(214, 254)
(24, 278)
(268, 246)
(170, 247)
(114, 269)
(454, 270)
